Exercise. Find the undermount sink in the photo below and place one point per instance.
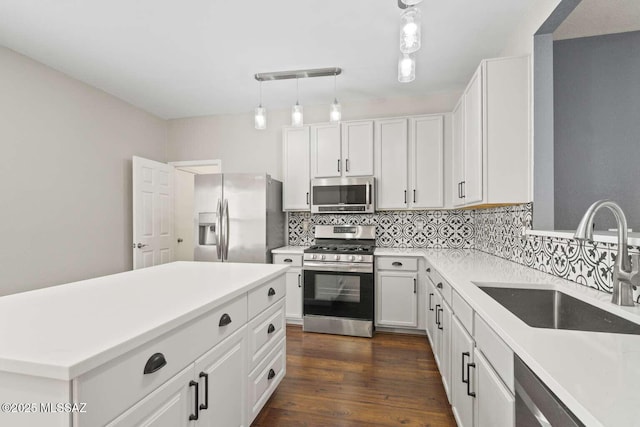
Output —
(551, 309)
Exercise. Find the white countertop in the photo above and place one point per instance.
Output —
(64, 331)
(595, 374)
(294, 250)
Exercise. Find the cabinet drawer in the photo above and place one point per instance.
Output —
(463, 311)
(123, 381)
(397, 263)
(265, 295)
(265, 378)
(265, 331)
(292, 260)
(499, 355)
(441, 285)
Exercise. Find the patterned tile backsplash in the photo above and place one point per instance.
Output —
(498, 231)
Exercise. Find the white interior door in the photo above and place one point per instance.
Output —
(153, 194)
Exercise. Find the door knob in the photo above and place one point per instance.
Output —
(139, 245)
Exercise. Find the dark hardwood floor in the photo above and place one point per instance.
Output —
(337, 381)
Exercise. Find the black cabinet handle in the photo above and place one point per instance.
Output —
(194, 417)
(205, 405)
(347, 164)
(460, 190)
(437, 316)
(405, 196)
(414, 196)
(465, 354)
(287, 260)
(415, 287)
(271, 292)
(428, 269)
(439, 285)
(469, 392)
(430, 295)
(440, 320)
(338, 165)
(463, 186)
(271, 374)
(154, 363)
(307, 197)
(299, 280)
(224, 320)
(396, 264)
(271, 329)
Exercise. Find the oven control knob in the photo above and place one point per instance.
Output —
(353, 257)
(322, 256)
(314, 256)
(360, 258)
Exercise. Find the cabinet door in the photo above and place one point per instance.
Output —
(458, 152)
(391, 148)
(397, 299)
(445, 347)
(473, 141)
(222, 376)
(325, 151)
(170, 405)
(426, 162)
(430, 309)
(461, 357)
(437, 305)
(295, 146)
(357, 148)
(495, 405)
(293, 304)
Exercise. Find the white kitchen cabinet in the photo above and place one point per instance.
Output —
(426, 162)
(444, 348)
(495, 405)
(437, 335)
(492, 135)
(397, 299)
(357, 148)
(462, 374)
(391, 151)
(326, 152)
(295, 165)
(431, 312)
(294, 279)
(341, 150)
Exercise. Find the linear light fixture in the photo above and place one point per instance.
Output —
(299, 74)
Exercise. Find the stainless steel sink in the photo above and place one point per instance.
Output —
(547, 308)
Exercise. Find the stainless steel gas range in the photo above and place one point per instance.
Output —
(338, 281)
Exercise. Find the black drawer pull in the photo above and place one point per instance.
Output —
(205, 405)
(469, 392)
(430, 295)
(271, 329)
(194, 417)
(429, 270)
(437, 316)
(224, 320)
(440, 319)
(271, 292)
(154, 363)
(271, 374)
(287, 260)
(465, 354)
(439, 285)
(396, 264)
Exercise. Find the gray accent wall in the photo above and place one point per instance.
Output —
(597, 127)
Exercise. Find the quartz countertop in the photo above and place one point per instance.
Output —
(289, 250)
(595, 374)
(64, 331)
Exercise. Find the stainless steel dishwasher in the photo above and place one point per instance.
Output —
(536, 405)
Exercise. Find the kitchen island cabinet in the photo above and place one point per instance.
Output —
(167, 344)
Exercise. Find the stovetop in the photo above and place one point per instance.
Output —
(332, 248)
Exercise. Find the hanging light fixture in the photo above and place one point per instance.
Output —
(297, 118)
(260, 117)
(410, 33)
(408, 3)
(407, 68)
(335, 112)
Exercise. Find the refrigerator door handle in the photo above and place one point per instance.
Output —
(225, 214)
(219, 230)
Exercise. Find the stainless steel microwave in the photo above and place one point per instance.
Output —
(343, 195)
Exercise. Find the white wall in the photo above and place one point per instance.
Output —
(233, 139)
(65, 169)
(521, 41)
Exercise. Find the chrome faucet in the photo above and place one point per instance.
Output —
(625, 273)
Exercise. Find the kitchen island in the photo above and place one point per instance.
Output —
(179, 341)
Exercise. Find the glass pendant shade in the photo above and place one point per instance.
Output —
(411, 2)
(297, 116)
(410, 35)
(260, 118)
(406, 68)
(335, 112)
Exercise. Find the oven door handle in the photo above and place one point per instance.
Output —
(338, 267)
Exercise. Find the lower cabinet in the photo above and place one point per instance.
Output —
(444, 348)
(462, 374)
(495, 405)
(293, 310)
(397, 299)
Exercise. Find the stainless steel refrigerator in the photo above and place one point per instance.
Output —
(238, 217)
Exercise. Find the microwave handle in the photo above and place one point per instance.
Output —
(368, 194)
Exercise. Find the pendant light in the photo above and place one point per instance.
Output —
(335, 111)
(407, 68)
(297, 119)
(411, 2)
(410, 33)
(260, 117)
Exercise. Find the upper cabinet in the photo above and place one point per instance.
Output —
(409, 162)
(295, 165)
(492, 136)
(344, 149)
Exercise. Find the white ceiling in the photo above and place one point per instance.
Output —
(598, 17)
(198, 57)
